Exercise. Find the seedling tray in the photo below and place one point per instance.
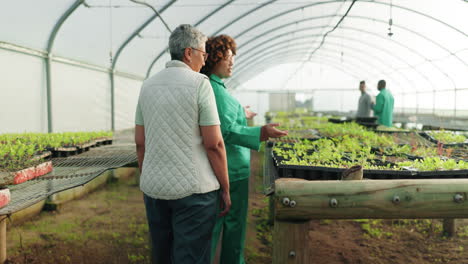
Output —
(443, 174)
(427, 136)
(316, 173)
(64, 151)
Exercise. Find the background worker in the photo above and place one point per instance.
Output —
(383, 107)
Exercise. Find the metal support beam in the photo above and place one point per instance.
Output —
(50, 45)
(403, 45)
(277, 16)
(80, 64)
(297, 56)
(291, 42)
(270, 40)
(305, 49)
(148, 72)
(119, 51)
(220, 29)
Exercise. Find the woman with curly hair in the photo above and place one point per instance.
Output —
(239, 139)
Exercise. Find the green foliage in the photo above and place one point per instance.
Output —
(18, 151)
(16, 155)
(423, 226)
(435, 164)
(341, 152)
(136, 258)
(264, 229)
(373, 228)
(349, 144)
(447, 137)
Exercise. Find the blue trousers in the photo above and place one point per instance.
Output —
(181, 229)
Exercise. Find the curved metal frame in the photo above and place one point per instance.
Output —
(292, 41)
(363, 31)
(367, 32)
(50, 45)
(242, 16)
(77, 3)
(328, 2)
(302, 51)
(148, 72)
(297, 56)
(329, 61)
(400, 44)
(289, 41)
(119, 51)
(300, 54)
(216, 32)
(335, 1)
(353, 49)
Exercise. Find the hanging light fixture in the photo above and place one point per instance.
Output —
(390, 21)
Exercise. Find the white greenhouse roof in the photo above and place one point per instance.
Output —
(426, 54)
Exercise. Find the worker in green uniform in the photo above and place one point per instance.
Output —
(239, 139)
(383, 107)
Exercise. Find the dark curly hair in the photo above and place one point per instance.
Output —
(217, 48)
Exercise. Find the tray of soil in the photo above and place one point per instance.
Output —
(20, 176)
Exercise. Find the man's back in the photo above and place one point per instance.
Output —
(175, 163)
(364, 105)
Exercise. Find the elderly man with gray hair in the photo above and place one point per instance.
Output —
(181, 153)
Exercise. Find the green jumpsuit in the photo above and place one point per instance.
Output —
(383, 108)
(238, 139)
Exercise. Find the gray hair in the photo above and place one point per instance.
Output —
(185, 36)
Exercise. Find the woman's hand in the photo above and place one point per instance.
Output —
(249, 114)
(225, 202)
(270, 131)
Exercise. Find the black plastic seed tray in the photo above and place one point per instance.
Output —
(339, 120)
(312, 173)
(309, 172)
(427, 136)
(368, 125)
(63, 151)
(390, 174)
(366, 119)
(393, 131)
(451, 174)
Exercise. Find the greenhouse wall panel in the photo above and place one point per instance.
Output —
(258, 102)
(445, 100)
(126, 99)
(344, 101)
(23, 97)
(426, 100)
(29, 23)
(93, 33)
(462, 103)
(80, 99)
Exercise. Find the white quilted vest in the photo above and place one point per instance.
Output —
(175, 164)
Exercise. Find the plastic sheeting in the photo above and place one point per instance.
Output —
(425, 60)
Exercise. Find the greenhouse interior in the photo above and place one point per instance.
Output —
(234, 131)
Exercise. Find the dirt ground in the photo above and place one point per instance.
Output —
(109, 226)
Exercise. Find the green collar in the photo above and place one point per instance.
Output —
(215, 78)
